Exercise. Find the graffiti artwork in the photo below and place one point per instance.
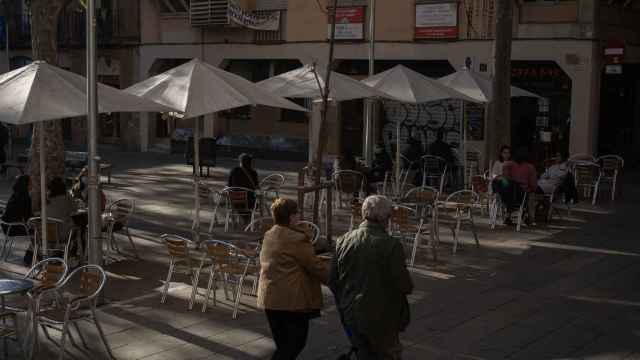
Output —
(423, 121)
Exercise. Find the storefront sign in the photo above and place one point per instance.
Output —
(349, 23)
(262, 22)
(436, 21)
(613, 69)
(614, 52)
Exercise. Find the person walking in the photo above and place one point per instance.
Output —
(289, 286)
(370, 282)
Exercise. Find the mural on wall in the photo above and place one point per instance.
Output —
(424, 122)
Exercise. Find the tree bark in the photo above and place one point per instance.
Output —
(500, 107)
(44, 34)
(322, 133)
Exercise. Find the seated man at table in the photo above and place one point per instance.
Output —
(521, 172)
(554, 176)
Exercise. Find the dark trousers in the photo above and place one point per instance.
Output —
(289, 330)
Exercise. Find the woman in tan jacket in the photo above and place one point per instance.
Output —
(290, 278)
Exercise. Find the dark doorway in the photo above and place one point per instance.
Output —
(620, 113)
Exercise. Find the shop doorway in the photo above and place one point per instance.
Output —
(619, 131)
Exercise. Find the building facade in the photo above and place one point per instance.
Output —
(558, 53)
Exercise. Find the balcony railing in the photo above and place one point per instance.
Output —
(272, 37)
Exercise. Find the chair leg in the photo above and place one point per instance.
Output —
(101, 332)
(65, 329)
(416, 241)
(238, 295)
(595, 194)
(195, 280)
(84, 343)
(456, 235)
(165, 289)
(474, 230)
(133, 245)
(205, 303)
(613, 187)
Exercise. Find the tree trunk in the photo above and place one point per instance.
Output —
(322, 133)
(500, 108)
(44, 33)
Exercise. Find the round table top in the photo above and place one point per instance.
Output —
(14, 286)
(236, 236)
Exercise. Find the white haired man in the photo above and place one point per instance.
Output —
(370, 282)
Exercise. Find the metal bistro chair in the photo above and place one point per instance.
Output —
(587, 180)
(581, 158)
(208, 196)
(10, 237)
(462, 211)
(54, 246)
(472, 168)
(76, 301)
(230, 264)
(311, 229)
(182, 262)
(356, 215)
(405, 224)
(238, 205)
(349, 185)
(422, 199)
(434, 171)
(261, 225)
(116, 219)
(271, 186)
(610, 168)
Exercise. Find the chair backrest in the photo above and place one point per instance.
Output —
(237, 198)
(54, 229)
(400, 216)
(586, 173)
(311, 228)
(121, 210)
(349, 181)
(226, 257)
(434, 165)
(611, 163)
(547, 163)
(261, 225)
(405, 162)
(272, 182)
(50, 272)
(423, 195)
(177, 246)
(480, 184)
(579, 158)
(464, 197)
(87, 280)
(10, 226)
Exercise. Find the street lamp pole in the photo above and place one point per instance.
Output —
(370, 111)
(95, 230)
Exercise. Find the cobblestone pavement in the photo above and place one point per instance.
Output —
(564, 290)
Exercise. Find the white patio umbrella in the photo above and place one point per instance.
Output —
(411, 87)
(308, 82)
(196, 89)
(39, 92)
(478, 87)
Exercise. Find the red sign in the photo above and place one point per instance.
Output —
(436, 33)
(349, 23)
(614, 52)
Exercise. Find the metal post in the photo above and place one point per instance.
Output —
(370, 110)
(43, 186)
(95, 230)
(196, 176)
(463, 144)
(6, 44)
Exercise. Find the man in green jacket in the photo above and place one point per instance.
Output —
(370, 282)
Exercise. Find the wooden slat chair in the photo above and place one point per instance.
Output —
(55, 246)
(10, 237)
(238, 205)
(406, 224)
(422, 199)
(76, 301)
(230, 264)
(587, 180)
(184, 260)
(610, 168)
(349, 186)
(460, 214)
(116, 219)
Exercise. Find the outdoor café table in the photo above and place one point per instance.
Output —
(458, 207)
(11, 287)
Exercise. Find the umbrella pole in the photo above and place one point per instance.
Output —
(463, 144)
(398, 159)
(43, 187)
(196, 176)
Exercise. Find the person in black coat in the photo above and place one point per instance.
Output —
(18, 209)
(245, 176)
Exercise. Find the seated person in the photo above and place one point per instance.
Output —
(381, 164)
(60, 205)
(503, 157)
(442, 149)
(19, 210)
(554, 176)
(521, 172)
(244, 175)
